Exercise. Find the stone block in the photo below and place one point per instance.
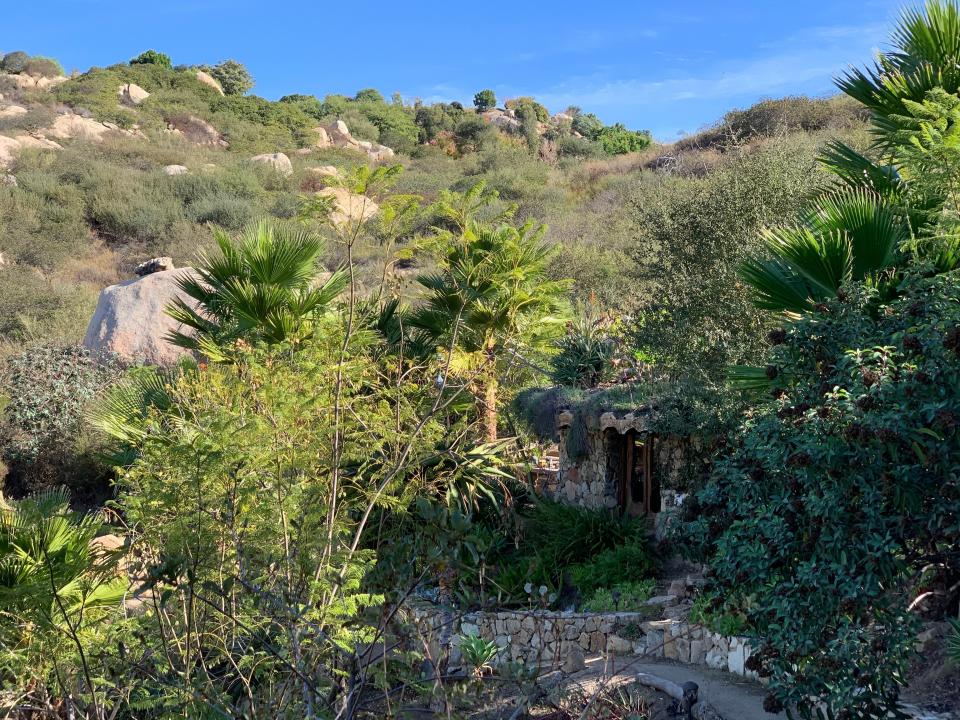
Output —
(698, 652)
(618, 645)
(735, 657)
(654, 643)
(575, 660)
(716, 659)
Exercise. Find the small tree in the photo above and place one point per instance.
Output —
(152, 57)
(617, 140)
(233, 77)
(484, 100)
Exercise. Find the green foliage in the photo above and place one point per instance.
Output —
(803, 523)
(953, 643)
(564, 535)
(588, 125)
(618, 566)
(728, 624)
(585, 354)
(617, 140)
(14, 62)
(539, 112)
(484, 100)
(258, 288)
(45, 392)
(44, 66)
(472, 134)
(233, 77)
(621, 597)
(153, 57)
(478, 653)
(769, 118)
(56, 588)
(693, 313)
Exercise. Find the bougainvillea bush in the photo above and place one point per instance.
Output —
(838, 504)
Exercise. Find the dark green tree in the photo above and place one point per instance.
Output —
(484, 100)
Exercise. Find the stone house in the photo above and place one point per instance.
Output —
(614, 460)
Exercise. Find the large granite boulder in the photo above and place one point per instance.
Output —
(132, 94)
(130, 320)
(278, 161)
(195, 130)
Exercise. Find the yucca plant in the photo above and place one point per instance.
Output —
(259, 287)
(478, 653)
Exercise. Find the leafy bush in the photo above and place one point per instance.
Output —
(622, 597)
(14, 62)
(588, 125)
(624, 563)
(803, 524)
(43, 436)
(233, 77)
(225, 210)
(152, 57)
(484, 100)
(617, 140)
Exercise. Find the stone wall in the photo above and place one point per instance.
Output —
(561, 639)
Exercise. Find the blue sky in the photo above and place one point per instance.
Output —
(668, 67)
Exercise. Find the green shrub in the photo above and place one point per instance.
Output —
(803, 524)
(617, 140)
(44, 66)
(624, 563)
(622, 597)
(14, 62)
(585, 354)
(152, 57)
(565, 535)
(225, 210)
(569, 146)
(43, 435)
(588, 125)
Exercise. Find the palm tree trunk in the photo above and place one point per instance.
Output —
(490, 391)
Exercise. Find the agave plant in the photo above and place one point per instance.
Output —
(259, 287)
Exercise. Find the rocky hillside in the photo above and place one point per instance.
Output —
(102, 170)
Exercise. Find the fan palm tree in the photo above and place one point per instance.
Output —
(258, 287)
(925, 55)
(876, 209)
(491, 293)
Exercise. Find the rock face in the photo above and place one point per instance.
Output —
(130, 320)
(12, 111)
(132, 94)
(175, 169)
(278, 161)
(195, 130)
(209, 81)
(69, 126)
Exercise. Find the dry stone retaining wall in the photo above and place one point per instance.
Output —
(557, 639)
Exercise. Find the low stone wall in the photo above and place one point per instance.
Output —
(561, 639)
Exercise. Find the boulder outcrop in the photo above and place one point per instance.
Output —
(175, 169)
(130, 321)
(348, 206)
(33, 82)
(132, 94)
(12, 111)
(337, 134)
(10, 146)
